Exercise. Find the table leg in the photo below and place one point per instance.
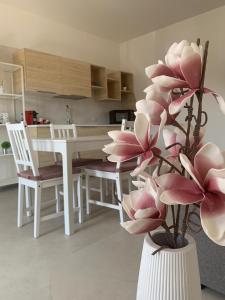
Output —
(68, 189)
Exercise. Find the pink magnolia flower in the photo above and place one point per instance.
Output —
(154, 104)
(128, 145)
(207, 188)
(144, 209)
(182, 70)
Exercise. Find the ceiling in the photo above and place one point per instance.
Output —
(117, 20)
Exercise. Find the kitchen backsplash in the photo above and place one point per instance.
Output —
(82, 111)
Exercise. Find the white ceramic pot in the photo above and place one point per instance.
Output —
(171, 274)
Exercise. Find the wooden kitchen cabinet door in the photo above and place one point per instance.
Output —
(41, 70)
(75, 78)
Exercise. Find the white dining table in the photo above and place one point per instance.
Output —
(67, 147)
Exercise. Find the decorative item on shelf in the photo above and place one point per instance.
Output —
(5, 147)
(188, 179)
(43, 121)
(124, 88)
(4, 118)
(31, 117)
(68, 115)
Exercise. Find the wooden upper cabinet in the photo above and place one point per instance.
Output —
(53, 74)
(41, 70)
(75, 78)
(71, 78)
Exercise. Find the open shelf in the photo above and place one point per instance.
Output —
(96, 87)
(9, 96)
(113, 89)
(112, 79)
(5, 155)
(7, 67)
(11, 121)
(127, 82)
(109, 85)
(98, 82)
(12, 102)
(126, 92)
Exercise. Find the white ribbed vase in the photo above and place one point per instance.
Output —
(170, 274)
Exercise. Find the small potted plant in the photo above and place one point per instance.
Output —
(5, 147)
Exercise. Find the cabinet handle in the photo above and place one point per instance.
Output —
(46, 92)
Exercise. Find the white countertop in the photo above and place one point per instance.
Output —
(78, 125)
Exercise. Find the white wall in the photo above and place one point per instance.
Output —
(20, 29)
(138, 53)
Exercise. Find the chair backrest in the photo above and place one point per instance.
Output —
(22, 148)
(64, 131)
(125, 125)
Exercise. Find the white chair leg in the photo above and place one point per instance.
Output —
(101, 190)
(75, 192)
(58, 200)
(120, 197)
(28, 201)
(80, 199)
(121, 213)
(113, 192)
(106, 187)
(20, 205)
(87, 194)
(37, 208)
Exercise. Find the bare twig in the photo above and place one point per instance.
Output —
(185, 221)
(176, 124)
(176, 229)
(159, 167)
(168, 162)
(173, 215)
(172, 145)
(199, 95)
(206, 119)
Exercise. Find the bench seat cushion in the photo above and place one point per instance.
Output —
(107, 166)
(46, 173)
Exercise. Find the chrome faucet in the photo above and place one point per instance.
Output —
(68, 115)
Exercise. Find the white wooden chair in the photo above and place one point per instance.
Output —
(66, 131)
(117, 172)
(29, 175)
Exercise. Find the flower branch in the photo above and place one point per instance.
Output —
(192, 173)
(167, 161)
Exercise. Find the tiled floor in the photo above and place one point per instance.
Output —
(99, 262)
